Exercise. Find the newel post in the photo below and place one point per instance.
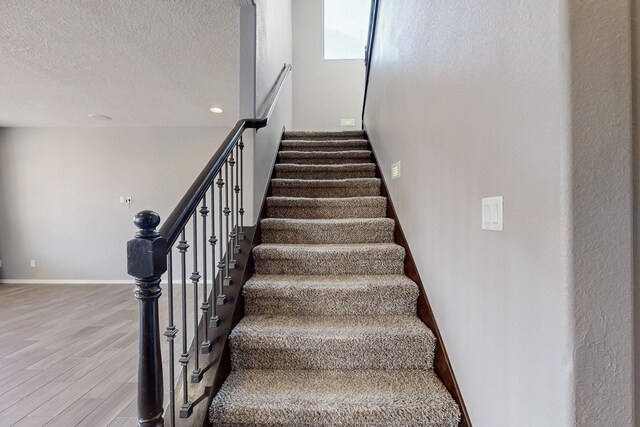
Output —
(147, 261)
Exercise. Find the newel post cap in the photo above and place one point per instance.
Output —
(147, 251)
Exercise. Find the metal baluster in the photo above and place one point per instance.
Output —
(171, 333)
(227, 276)
(241, 211)
(232, 233)
(222, 299)
(214, 322)
(236, 189)
(196, 375)
(187, 405)
(206, 343)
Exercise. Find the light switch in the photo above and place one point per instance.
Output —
(492, 213)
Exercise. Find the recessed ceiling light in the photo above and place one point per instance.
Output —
(99, 117)
(216, 110)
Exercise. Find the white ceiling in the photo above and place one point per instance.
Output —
(142, 62)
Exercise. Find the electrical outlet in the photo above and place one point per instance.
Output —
(347, 122)
(33, 263)
(127, 200)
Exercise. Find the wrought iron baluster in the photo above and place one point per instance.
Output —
(241, 211)
(171, 333)
(222, 299)
(236, 189)
(195, 277)
(227, 211)
(206, 343)
(232, 234)
(214, 322)
(187, 405)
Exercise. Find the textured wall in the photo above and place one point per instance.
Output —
(530, 101)
(60, 192)
(273, 50)
(324, 91)
(601, 239)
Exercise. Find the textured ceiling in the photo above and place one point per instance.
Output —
(142, 62)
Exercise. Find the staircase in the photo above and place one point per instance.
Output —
(330, 336)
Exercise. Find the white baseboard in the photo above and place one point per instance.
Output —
(63, 282)
(81, 282)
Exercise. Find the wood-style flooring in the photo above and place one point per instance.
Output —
(68, 355)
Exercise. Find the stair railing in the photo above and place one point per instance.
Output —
(216, 194)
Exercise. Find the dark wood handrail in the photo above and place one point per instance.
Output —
(182, 213)
(373, 21)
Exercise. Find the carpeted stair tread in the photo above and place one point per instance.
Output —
(342, 171)
(324, 145)
(319, 135)
(330, 295)
(332, 342)
(307, 207)
(320, 231)
(352, 187)
(325, 157)
(372, 398)
(366, 258)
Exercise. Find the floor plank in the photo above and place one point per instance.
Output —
(68, 354)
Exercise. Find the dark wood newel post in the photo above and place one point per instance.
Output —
(147, 261)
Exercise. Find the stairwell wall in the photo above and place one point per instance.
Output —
(529, 101)
(273, 50)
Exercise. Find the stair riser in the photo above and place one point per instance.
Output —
(322, 161)
(322, 136)
(323, 146)
(377, 209)
(323, 265)
(348, 354)
(346, 174)
(329, 234)
(343, 303)
(333, 192)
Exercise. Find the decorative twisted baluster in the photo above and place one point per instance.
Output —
(171, 333)
(195, 277)
(214, 322)
(147, 261)
(206, 343)
(241, 211)
(222, 299)
(187, 405)
(232, 234)
(227, 211)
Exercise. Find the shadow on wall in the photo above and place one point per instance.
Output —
(4, 218)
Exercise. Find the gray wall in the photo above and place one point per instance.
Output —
(60, 189)
(273, 50)
(324, 91)
(522, 104)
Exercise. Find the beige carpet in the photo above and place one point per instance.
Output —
(330, 336)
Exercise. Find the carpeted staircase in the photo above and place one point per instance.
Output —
(330, 336)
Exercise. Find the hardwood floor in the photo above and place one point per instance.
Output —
(68, 355)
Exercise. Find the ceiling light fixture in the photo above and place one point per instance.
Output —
(100, 117)
(216, 110)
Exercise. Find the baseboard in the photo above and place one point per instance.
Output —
(81, 282)
(64, 282)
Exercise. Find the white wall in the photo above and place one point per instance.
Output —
(273, 50)
(324, 91)
(60, 189)
(510, 99)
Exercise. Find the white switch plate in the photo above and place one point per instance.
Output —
(492, 214)
(33, 263)
(396, 170)
(347, 122)
(122, 200)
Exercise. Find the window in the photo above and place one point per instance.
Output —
(346, 26)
